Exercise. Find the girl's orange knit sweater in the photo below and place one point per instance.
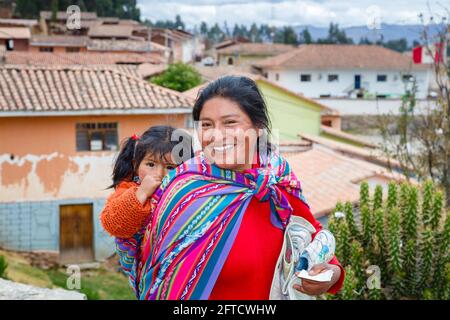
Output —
(123, 214)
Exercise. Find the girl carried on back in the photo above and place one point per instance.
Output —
(138, 171)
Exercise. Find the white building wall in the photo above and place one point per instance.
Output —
(188, 50)
(320, 86)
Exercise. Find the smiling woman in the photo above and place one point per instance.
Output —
(217, 229)
(231, 122)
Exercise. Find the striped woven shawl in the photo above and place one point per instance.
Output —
(198, 210)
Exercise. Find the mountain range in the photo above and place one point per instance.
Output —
(387, 31)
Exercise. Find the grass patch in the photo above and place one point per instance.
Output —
(96, 284)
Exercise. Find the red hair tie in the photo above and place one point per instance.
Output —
(135, 137)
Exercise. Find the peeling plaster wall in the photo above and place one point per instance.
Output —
(54, 176)
(39, 161)
(40, 170)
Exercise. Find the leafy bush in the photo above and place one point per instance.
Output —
(179, 77)
(407, 237)
(3, 266)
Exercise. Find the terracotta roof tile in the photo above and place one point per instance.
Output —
(124, 45)
(328, 177)
(262, 49)
(59, 40)
(15, 33)
(111, 30)
(72, 88)
(82, 58)
(328, 56)
(62, 15)
(19, 22)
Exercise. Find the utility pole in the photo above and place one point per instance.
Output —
(149, 38)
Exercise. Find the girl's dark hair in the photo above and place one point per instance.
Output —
(244, 92)
(157, 141)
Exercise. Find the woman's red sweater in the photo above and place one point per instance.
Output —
(248, 270)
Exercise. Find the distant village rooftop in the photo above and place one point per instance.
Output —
(19, 22)
(334, 57)
(74, 90)
(15, 33)
(81, 58)
(256, 49)
(62, 15)
(124, 45)
(59, 40)
(111, 30)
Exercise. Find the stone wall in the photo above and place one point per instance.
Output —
(34, 226)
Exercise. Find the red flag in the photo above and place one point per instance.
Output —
(417, 54)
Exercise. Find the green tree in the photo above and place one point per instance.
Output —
(400, 45)
(54, 9)
(305, 37)
(179, 77)
(203, 28)
(179, 24)
(335, 36)
(286, 35)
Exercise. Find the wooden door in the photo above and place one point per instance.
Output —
(76, 233)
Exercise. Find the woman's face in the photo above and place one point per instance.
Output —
(227, 134)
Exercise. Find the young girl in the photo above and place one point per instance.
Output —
(140, 166)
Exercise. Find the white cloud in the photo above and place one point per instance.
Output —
(293, 12)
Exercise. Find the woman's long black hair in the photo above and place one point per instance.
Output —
(245, 93)
(157, 141)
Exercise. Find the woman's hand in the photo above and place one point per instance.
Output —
(148, 186)
(315, 288)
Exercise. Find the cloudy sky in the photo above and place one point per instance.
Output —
(293, 12)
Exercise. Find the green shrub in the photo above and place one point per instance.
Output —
(3, 266)
(179, 77)
(407, 237)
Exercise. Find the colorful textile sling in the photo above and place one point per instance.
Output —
(182, 249)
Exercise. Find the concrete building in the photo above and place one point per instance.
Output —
(61, 127)
(245, 54)
(355, 71)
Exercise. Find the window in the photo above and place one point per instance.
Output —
(305, 77)
(230, 61)
(381, 78)
(333, 78)
(96, 136)
(46, 49)
(10, 45)
(407, 78)
(72, 49)
(277, 77)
